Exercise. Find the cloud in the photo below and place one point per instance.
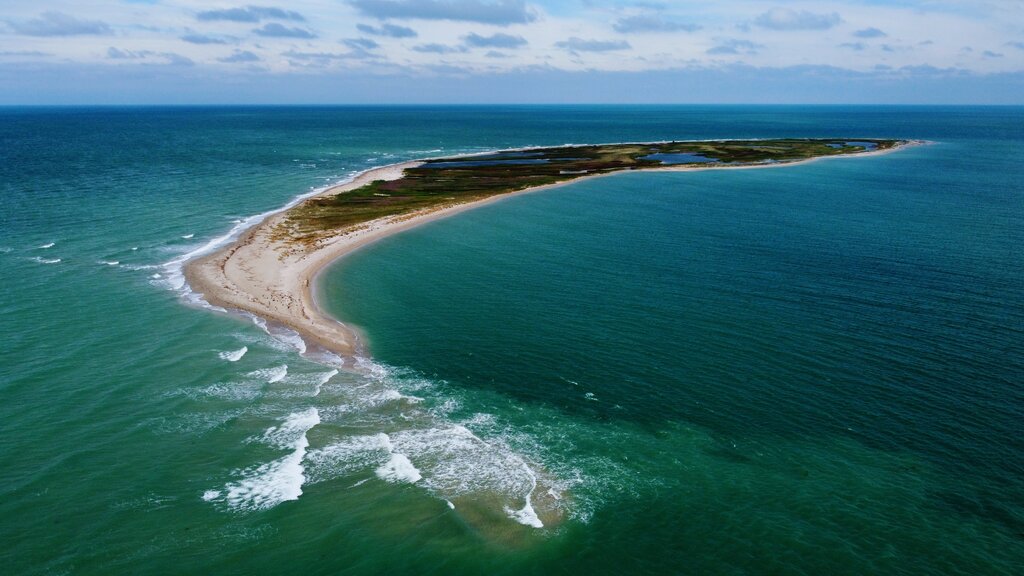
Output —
(360, 43)
(171, 58)
(60, 24)
(856, 46)
(118, 54)
(250, 14)
(991, 54)
(651, 23)
(733, 46)
(177, 59)
(275, 30)
(496, 54)
(870, 33)
(786, 19)
(389, 30)
(580, 45)
(495, 41)
(240, 56)
(499, 12)
(202, 39)
(25, 53)
(323, 58)
(438, 49)
(1017, 45)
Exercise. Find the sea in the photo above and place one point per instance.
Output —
(801, 370)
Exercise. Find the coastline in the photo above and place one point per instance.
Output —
(272, 279)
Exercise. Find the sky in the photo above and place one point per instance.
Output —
(511, 51)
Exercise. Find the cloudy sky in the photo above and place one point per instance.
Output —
(451, 51)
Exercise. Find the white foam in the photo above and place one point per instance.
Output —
(236, 391)
(270, 484)
(324, 379)
(374, 370)
(349, 456)
(211, 495)
(109, 262)
(450, 505)
(46, 261)
(399, 469)
(47, 245)
(270, 375)
(277, 374)
(234, 355)
(290, 337)
(526, 515)
(281, 334)
(188, 236)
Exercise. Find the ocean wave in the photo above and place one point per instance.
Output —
(234, 355)
(324, 379)
(291, 339)
(47, 245)
(271, 375)
(281, 480)
(399, 469)
(415, 443)
(42, 260)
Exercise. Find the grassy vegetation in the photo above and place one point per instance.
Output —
(443, 182)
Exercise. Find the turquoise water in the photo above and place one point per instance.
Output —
(800, 370)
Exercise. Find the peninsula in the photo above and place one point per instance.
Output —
(269, 270)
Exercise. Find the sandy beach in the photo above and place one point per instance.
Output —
(275, 279)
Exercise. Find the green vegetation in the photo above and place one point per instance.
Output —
(443, 182)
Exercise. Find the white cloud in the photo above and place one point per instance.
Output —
(389, 30)
(501, 12)
(240, 56)
(581, 45)
(59, 24)
(870, 33)
(651, 23)
(494, 41)
(276, 30)
(563, 37)
(250, 14)
(786, 19)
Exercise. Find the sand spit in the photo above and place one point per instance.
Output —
(274, 278)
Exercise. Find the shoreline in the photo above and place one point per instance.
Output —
(269, 278)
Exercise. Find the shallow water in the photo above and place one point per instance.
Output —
(808, 369)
